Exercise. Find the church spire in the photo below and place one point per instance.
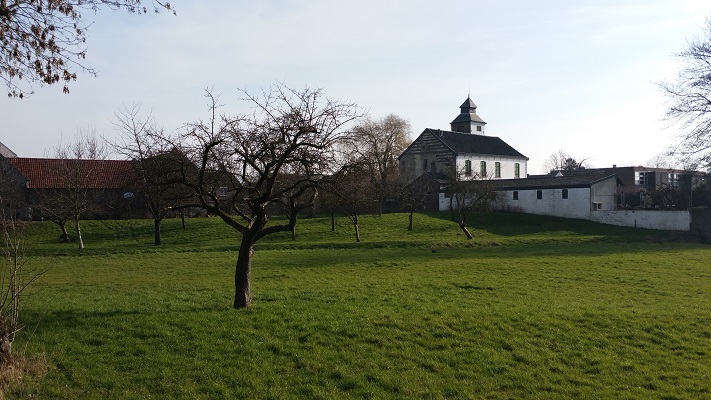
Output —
(468, 121)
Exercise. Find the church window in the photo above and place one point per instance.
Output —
(517, 170)
(478, 128)
(515, 194)
(468, 168)
(539, 194)
(483, 169)
(497, 170)
(424, 165)
(565, 193)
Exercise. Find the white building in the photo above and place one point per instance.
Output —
(465, 151)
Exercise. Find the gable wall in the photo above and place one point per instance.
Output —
(425, 147)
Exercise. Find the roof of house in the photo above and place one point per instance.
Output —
(45, 173)
(546, 182)
(469, 143)
(6, 152)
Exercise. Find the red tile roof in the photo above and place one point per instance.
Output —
(46, 173)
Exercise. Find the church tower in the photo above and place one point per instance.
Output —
(468, 121)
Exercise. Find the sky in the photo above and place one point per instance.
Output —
(577, 76)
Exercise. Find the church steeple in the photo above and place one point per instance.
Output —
(468, 121)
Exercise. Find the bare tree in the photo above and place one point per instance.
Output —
(77, 174)
(379, 143)
(157, 169)
(14, 280)
(468, 197)
(561, 160)
(690, 101)
(659, 161)
(243, 169)
(43, 41)
(350, 192)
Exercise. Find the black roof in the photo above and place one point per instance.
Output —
(545, 182)
(460, 142)
(542, 182)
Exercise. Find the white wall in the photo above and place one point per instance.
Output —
(507, 165)
(650, 219)
(577, 205)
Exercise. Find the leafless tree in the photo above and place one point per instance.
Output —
(561, 160)
(690, 101)
(76, 192)
(44, 41)
(14, 280)
(157, 169)
(350, 191)
(243, 169)
(379, 143)
(466, 197)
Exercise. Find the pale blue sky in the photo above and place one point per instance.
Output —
(546, 75)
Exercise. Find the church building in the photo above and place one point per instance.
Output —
(464, 152)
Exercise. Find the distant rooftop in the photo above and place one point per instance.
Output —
(6, 152)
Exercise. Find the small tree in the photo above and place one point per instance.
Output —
(243, 169)
(471, 196)
(14, 280)
(562, 161)
(351, 193)
(156, 163)
(76, 194)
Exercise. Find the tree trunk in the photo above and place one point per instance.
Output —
(64, 237)
(293, 233)
(333, 222)
(5, 344)
(409, 224)
(80, 241)
(355, 228)
(156, 231)
(182, 217)
(243, 295)
(465, 230)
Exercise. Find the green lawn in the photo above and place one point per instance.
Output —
(533, 307)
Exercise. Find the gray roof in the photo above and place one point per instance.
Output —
(469, 143)
(468, 113)
(545, 182)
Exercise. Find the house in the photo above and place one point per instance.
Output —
(640, 186)
(464, 151)
(110, 184)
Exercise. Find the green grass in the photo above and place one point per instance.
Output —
(555, 309)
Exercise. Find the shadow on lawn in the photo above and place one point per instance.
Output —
(515, 224)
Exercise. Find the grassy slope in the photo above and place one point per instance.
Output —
(557, 309)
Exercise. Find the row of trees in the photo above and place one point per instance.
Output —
(296, 151)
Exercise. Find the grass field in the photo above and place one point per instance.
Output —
(533, 307)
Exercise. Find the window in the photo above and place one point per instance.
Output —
(478, 128)
(565, 193)
(640, 178)
(468, 167)
(433, 166)
(517, 170)
(539, 194)
(515, 194)
(424, 165)
(497, 170)
(222, 191)
(483, 169)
